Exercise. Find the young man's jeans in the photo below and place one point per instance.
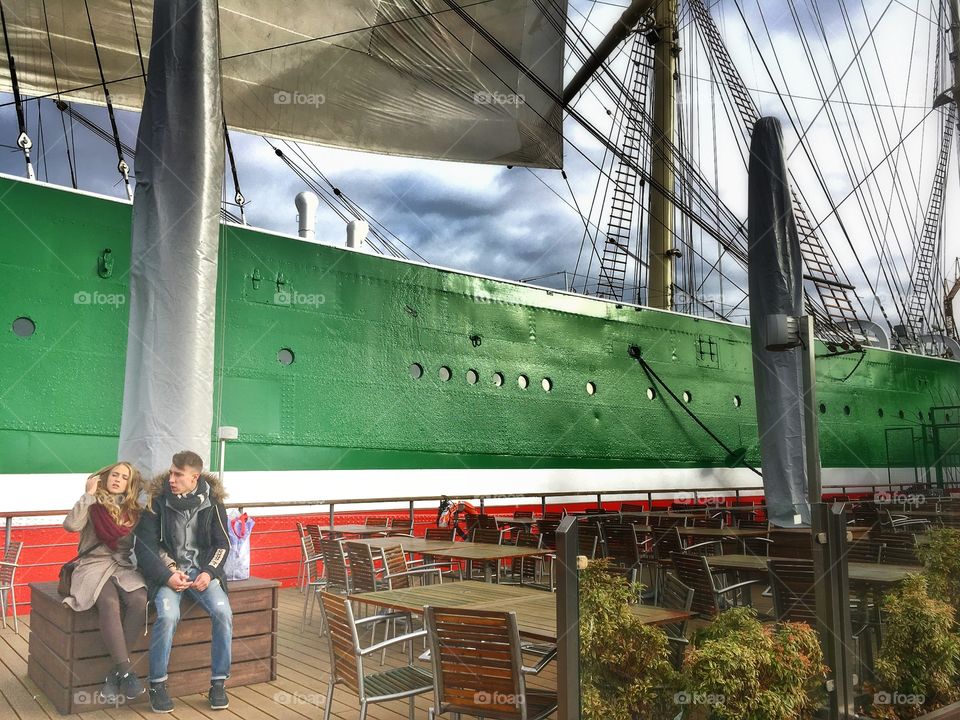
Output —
(167, 603)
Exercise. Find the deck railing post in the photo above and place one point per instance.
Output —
(411, 517)
(8, 536)
(568, 620)
(543, 505)
(331, 519)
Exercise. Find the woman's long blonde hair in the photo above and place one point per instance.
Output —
(127, 511)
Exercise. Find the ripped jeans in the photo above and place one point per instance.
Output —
(167, 603)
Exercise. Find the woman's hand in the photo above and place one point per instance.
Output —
(92, 484)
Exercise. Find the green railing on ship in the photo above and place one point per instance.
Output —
(649, 496)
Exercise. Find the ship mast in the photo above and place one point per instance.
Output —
(662, 251)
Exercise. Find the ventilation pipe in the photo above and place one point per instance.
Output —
(357, 231)
(307, 204)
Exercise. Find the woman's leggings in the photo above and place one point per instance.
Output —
(119, 635)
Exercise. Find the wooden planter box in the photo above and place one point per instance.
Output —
(947, 712)
(68, 661)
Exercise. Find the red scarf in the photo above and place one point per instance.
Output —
(108, 532)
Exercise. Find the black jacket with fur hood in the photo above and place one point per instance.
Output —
(152, 548)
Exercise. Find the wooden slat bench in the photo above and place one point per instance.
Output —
(68, 661)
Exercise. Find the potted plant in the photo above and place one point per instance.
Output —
(625, 672)
(918, 666)
(742, 669)
(940, 554)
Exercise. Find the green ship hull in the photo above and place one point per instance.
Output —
(349, 418)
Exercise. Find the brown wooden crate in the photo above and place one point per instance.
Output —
(196, 630)
(56, 693)
(58, 641)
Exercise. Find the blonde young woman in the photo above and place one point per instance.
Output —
(106, 576)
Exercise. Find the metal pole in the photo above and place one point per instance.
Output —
(568, 620)
(828, 537)
(617, 34)
(222, 458)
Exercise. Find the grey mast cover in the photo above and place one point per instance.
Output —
(168, 388)
(775, 270)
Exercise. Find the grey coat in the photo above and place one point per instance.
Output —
(94, 570)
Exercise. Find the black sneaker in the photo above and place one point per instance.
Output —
(160, 701)
(130, 685)
(218, 696)
(110, 692)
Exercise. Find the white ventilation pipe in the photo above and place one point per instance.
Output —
(357, 231)
(307, 204)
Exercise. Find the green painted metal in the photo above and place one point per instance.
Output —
(356, 323)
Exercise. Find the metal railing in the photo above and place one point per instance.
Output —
(693, 494)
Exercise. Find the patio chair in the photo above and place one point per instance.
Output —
(556, 515)
(709, 597)
(677, 596)
(8, 572)
(487, 522)
(335, 565)
(313, 582)
(864, 550)
(902, 523)
(347, 660)
(447, 534)
(527, 569)
(377, 522)
(623, 548)
(523, 514)
(633, 507)
(478, 666)
(487, 535)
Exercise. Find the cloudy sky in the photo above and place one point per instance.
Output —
(520, 223)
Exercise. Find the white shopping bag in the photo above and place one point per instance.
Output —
(238, 561)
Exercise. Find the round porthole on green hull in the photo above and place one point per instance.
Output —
(285, 356)
(24, 327)
(416, 371)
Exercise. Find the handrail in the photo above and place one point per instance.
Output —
(331, 503)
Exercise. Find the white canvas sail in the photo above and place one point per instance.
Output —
(408, 77)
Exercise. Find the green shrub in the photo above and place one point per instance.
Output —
(940, 555)
(624, 667)
(748, 670)
(919, 656)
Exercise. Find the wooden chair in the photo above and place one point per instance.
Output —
(623, 547)
(556, 515)
(347, 659)
(790, 544)
(864, 550)
(794, 594)
(399, 573)
(478, 666)
(487, 522)
(633, 507)
(523, 514)
(8, 576)
(313, 582)
(526, 568)
(590, 528)
(677, 596)
(487, 535)
(708, 599)
(447, 534)
(547, 529)
(889, 522)
(335, 565)
(383, 522)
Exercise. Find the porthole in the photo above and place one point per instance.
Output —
(285, 356)
(445, 373)
(880, 412)
(498, 379)
(687, 397)
(24, 327)
(846, 409)
(823, 409)
(651, 394)
(592, 389)
(523, 382)
(737, 402)
(416, 371)
(472, 376)
(546, 384)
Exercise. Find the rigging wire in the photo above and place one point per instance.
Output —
(56, 84)
(23, 140)
(122, 166)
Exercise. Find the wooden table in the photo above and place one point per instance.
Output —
(874, 574)
(536, 609)
(363, 529)
(524, 522)
(409, 544)
(487, 553)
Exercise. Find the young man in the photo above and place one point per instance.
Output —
(182, 546)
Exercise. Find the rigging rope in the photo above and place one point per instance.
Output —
(23, 140)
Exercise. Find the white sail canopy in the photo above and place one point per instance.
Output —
(408, 77)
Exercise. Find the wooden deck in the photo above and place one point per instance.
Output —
(297, 694)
